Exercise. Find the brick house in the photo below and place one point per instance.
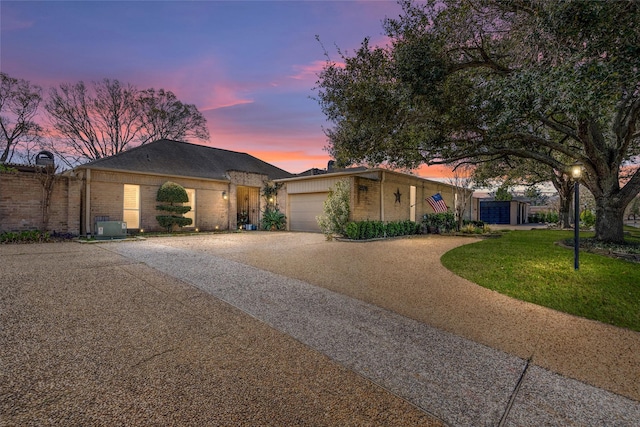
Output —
(224, 186)
(376, 194)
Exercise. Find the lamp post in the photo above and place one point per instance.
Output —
(576, 174)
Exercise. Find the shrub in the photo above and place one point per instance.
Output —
(364, 230)
(587, 218)
(336, 210)
(442, 222)
(29, 236)
(273, 219)
(171, 192)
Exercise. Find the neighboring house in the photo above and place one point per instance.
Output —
(224, 187)
(376, 194)
(512, 212)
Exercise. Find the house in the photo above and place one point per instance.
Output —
(224, 187)
(376, 194)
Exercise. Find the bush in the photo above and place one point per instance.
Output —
(273, 219)
(171, 193)
(587, 218)
(30, 236)
(336, 210)
(365, 230)
(443, 222)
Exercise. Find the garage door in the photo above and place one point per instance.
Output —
(303, 209)
(495, 212)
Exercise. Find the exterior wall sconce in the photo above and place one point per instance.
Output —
(576, 174)
(224, 195)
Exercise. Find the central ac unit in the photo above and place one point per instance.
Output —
(110, 230)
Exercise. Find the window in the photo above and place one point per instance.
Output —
(191, 193)
(131, 206)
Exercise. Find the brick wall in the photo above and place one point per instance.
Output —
(21, 201)
(107, 192)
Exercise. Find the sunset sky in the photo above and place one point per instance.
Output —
(249, 66)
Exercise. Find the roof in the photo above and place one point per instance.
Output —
(370, 173)
(168, 157)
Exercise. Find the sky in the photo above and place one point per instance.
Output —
(250, 67)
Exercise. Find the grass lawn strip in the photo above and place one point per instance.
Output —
(530, 266)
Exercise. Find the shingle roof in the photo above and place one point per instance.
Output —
(169, 157)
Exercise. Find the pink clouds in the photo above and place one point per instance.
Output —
(308, 72)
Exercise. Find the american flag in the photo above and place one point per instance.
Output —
(437, 203)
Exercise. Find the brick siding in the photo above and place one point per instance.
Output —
(22, 197)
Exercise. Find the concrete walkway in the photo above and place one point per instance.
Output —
(462, 381)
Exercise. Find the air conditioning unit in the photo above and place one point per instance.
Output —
(105, 230)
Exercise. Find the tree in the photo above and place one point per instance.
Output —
(19, 101)
(556, 82)
(113, 117)
(163, 116)
(174, 195)
(503, 193)
(462, 184)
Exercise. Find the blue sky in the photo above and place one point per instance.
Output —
(249, 66)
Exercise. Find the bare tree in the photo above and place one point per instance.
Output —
(91, 126)
(19, 101)
(462, 188)
(164, 116)
(113, 117)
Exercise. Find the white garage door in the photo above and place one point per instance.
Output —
(303, 209)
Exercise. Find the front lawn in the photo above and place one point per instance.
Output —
(529, 266)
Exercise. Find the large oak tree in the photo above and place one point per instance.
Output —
(475, 80)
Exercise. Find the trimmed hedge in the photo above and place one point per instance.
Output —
(364, 230)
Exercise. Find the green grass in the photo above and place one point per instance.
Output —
(529, 266)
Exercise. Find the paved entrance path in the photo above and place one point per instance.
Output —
(463, 381)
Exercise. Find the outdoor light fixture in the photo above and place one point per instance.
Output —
(576, 171)
(576, 174)
(224, 195)
(141, 230)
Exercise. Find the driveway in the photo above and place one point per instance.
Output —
(329, 333)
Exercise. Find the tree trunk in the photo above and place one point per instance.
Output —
(565, 193)
(565, 212)
(609, 221)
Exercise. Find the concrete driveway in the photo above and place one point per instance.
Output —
(385, 311)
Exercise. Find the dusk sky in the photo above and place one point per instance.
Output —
(249, 66)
